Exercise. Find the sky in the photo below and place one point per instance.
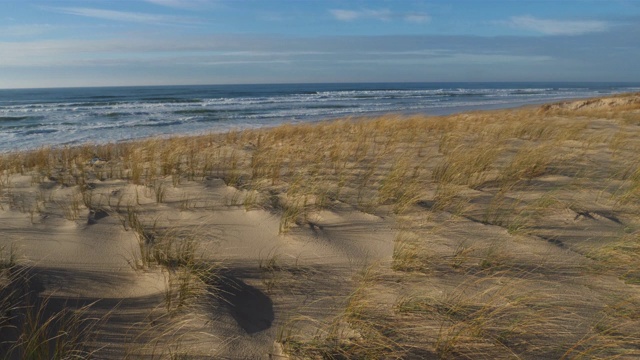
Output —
(60, 43)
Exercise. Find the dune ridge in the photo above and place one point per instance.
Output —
(490, 234)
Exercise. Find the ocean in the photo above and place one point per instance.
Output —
(32, 118)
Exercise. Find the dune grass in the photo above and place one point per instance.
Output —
(471, 194)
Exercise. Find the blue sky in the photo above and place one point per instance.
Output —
(158, 42)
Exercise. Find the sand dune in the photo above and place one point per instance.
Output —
(499, 234)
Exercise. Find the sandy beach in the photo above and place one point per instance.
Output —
(483, 235)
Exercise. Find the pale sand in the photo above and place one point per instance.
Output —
(554, 254)
(77, 262)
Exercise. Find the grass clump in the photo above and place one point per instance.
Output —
(33, 326)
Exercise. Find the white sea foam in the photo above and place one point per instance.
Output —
(66, 116)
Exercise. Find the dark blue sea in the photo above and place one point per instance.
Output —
(32, 118)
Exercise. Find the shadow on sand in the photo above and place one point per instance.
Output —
(250, 308)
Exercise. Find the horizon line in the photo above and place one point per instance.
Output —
(327, 83)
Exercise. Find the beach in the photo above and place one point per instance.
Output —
(494, 234)
(33, 118)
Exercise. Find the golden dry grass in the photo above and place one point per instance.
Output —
(518, 230)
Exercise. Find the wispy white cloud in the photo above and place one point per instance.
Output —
(267, 58)
(349, 15)
(123, 51)
(378, 14)
(123, 16)
(21, 31)
(558, 27)
(417, 18)
(182, 4)
(449, 58)
(344, 15)
(239, 50)
(128, 53)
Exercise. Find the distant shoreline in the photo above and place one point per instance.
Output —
(66, 117)
(515, 106)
